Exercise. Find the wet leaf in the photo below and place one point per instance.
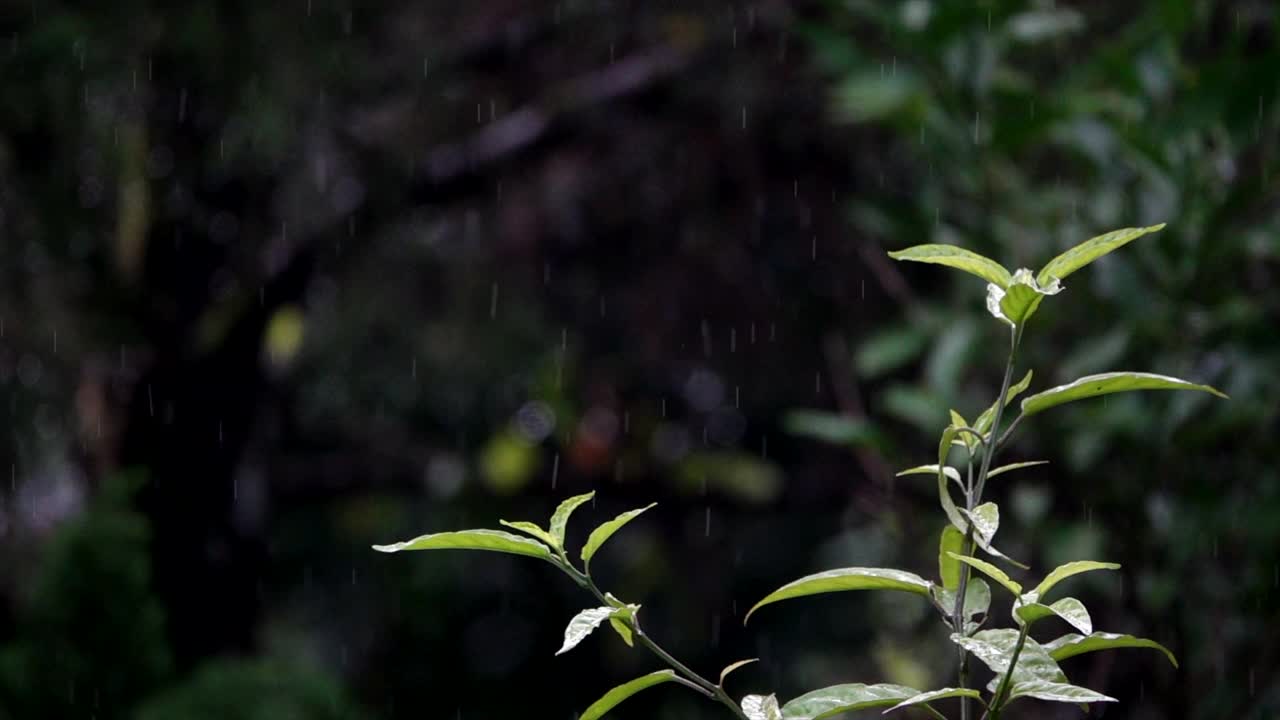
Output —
(1105, 384)
(995, 649)
(1090, 250)
(560, 518)
(845, 579)
(958, 258)
(1014, 466)
(838, 699)
(532, 530)
(583, 624)
(491, 540)
(606, 530)
(617, 695)
(1055, 692)
(1072, 645)
(761, 707)
(1069, 609)
(1066, 570)
(927, 697)
(983, 423)
(951, 542)
(623, 630)
(992, 572)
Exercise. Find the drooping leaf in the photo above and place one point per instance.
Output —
(983, 423)
(1073, 644)
(958, 258)
(995, 649)
(952, 541)
(844, 579)
(583, 624)
(761, 707)
(615, 696)
(1055, 692)
(1014, 466)
(1090, 250)
(927, 697)
(1069, 609)
(986, 521)
(532, 530)
(1066, 570)
(601, 534)
(1105, 384)
(491, 540)
(992, 572)
(958, 420)
(560, 518)
(838, 699)
(977, 600)
(734, 666)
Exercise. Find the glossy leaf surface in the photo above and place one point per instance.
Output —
(850, 697)
(1090, 250)
(845, 579)
(490, 540)
(1106, 384)
(958, 258)
(601, 535)
(560, 518)
(1066, 570)
(1072, 645)
(617, 695)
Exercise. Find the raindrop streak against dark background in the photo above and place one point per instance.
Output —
(283, 280)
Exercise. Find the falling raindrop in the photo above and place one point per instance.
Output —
(493, 301)
(708, 525)
(555, 470)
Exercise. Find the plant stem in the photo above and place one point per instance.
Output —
(691, 679)
(973, 497)
(1003, 690)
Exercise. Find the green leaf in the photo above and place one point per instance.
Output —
(844, 579)
(1064, 571)
(734, 666)
(583, 624)
(623, 630)
(992, 572)
(1069, 609)
(932, 695)
(532, 530)
(986, 520)
(950, 472)
(560, 518)
(761, 707)
(958, 258)
(491, 540)
(1016, 303)
(983, 423)
(601, 534)
(977, 600)
(1105, 384)
(952, 541)
(995, 649)
(1055, 692)
(958, 420)
(1072, 645)
(1015, 466)
(838, 699)
(1090, 250)
(615, 696)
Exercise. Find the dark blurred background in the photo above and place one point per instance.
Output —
(282, 280)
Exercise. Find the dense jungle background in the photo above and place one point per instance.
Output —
(282, 280)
